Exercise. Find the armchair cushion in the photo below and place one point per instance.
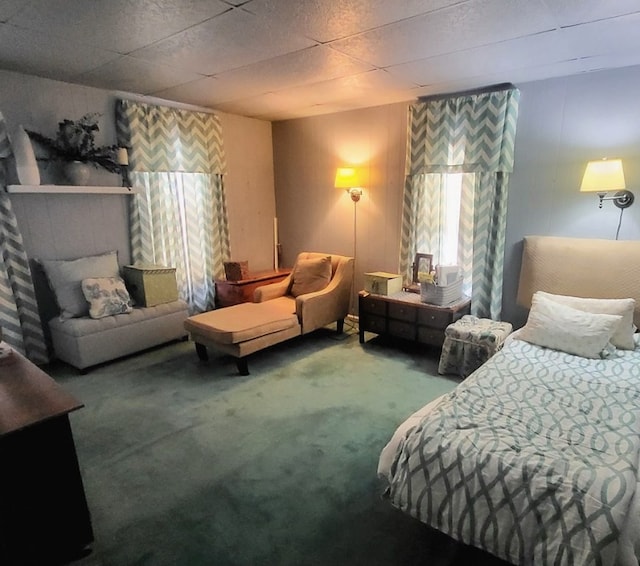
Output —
(310, 275)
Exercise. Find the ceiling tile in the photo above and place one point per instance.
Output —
(9, 8)
(616, 35)
(327, 20)
(134, 75)
(47, 56)
(118, 25)
(571, 12)
(198, 92)
(309, 65)
(232, 40)
(460, 27)
(508, 55)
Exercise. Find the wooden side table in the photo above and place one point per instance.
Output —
(403, 315)
(44, 517)
(235, 292)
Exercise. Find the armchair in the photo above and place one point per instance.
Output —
(318, 308)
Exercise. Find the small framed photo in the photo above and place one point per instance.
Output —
(423, 263)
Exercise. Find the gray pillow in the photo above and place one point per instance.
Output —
(65, 278)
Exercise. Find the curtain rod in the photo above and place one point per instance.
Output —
(480, 90)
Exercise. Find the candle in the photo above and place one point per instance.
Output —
(275, 243)
(123, 156)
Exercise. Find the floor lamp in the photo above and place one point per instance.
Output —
(348, 178)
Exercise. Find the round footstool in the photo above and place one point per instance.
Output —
(470, 342)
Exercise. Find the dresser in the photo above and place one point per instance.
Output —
(234, 292)
(403, 315)
(44, 517)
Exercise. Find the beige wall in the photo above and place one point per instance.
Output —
(315, 216)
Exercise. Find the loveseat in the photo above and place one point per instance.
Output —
(88, 331)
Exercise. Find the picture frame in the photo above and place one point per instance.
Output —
(422, 262)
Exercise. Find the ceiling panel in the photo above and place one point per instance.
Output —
(294, 69)
(327, 20)
(117, 25)
(453, 29)
(135, 75)
(572, 12)
(9, 8)
(232, 40)
(47, 56)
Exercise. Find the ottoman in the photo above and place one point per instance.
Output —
(242, 329)
(470, 342)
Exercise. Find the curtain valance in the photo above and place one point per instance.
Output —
(472, 133)
(162, 139)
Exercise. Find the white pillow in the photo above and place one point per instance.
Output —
(65, 279)
(623, 336)
(570, 330)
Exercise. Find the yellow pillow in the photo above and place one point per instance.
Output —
(311, 275)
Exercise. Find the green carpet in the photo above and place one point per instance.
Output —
(187, 463)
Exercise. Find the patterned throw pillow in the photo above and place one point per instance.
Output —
(106, 296)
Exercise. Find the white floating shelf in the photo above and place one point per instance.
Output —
(69, 189)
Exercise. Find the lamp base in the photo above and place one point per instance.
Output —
(355, 193)
(623, 199)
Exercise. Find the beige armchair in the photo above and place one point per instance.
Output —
(317, 308)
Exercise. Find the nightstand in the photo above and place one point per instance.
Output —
(403, 315)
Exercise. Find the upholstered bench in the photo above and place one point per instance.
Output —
(240, 330)
(470, 342)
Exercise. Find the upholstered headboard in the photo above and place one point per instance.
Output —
(581, 267)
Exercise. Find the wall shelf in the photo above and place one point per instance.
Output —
(69, 189)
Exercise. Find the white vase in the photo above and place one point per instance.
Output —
(77, 172)
(26, 164)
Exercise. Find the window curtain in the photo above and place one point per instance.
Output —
(178, 216)
(473, 135)
(21, 325)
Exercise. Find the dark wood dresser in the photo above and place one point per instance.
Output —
(44, 517)
(234, 292)
(403, 315)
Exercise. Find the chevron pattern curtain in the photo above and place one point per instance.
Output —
(473, 135)
(179, 215)
(20, 320)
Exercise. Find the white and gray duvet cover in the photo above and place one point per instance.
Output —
(533, 458)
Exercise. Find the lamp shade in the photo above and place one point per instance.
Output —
(602, 176)
(347, 178)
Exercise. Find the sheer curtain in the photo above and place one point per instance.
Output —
(178, 216)
(20, 321)
(459, 156)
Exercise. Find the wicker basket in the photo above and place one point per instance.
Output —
(441, 295)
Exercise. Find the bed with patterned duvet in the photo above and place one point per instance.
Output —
(533, 458)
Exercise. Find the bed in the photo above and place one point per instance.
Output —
(534, 457)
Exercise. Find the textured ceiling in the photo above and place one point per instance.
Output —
(280, 59)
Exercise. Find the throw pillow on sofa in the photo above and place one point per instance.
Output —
(311, 275)
(65, 279)
(107, 296)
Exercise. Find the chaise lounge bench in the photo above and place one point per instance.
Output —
(315, 294)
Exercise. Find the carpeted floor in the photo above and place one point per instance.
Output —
(186, 463)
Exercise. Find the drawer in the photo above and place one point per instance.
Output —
(369, 305)
(402, 329)
(402, 312)
(434, 318)
(431, 336)
(372, 323)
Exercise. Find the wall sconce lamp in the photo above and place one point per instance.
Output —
(348, 178)
(607, 175)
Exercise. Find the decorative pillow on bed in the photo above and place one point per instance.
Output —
(106, 296)
(623, 336)
(311, 275)
(65, 279)
(559, 327)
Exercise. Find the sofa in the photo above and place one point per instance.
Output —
(93, 318)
